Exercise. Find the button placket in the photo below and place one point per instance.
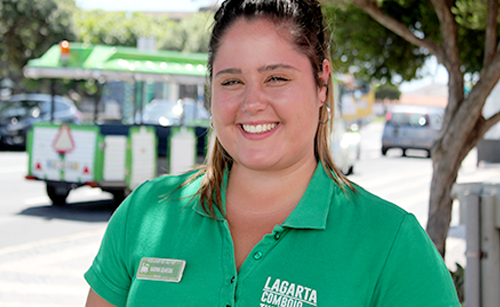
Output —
(257, 255)
(229, 267)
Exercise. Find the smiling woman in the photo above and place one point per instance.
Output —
(271, 221)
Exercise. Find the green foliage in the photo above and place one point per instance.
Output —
(471, 14)
(28, 28)
(191, 34)
(387, 91)
(110, 28)
(458, 277)
(121, 28)
(365, 47)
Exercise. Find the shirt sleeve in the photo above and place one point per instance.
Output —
(108, 276)
(414, 273)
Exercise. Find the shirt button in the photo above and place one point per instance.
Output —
(277, 236)
(257, 255)
(232, 279)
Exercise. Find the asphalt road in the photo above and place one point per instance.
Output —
(44, 250)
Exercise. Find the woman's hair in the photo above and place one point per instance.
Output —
(304, 21)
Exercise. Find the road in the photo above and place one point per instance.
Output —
(45, 250)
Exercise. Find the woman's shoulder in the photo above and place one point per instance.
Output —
(369, 208)
(165, 189)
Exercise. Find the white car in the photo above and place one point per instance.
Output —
(345, 146)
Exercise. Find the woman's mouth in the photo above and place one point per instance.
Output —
(260, 128)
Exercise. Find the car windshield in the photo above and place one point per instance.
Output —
(408, 119)
(157, 112)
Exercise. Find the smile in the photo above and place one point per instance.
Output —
(261, 128)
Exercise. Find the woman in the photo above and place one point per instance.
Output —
(269, 221)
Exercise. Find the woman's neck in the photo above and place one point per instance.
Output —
(262, 192)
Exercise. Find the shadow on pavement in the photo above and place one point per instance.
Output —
(89, 211)
(11, 148)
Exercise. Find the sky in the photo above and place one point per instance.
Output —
(144, 5)
(431, 72)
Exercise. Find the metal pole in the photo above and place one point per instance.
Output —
(96, 105)
(490, 246)
(473, 253)
(52, 99)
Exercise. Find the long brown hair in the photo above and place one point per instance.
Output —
(304, 21)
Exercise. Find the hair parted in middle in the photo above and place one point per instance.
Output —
(303, 20)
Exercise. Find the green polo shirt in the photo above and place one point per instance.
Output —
(334, 249)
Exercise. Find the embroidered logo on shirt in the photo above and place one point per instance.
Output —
(161, 269)
(282, 293)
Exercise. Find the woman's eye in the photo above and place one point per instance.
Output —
(230, 82)
(278, 79)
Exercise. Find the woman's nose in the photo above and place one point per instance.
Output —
(254, 99)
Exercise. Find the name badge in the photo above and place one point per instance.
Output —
(161, 269)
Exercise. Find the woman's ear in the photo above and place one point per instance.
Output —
(324, 76)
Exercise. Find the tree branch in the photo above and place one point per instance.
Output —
(491, 32)
(449, 33)
(490, 122)
(370, 7)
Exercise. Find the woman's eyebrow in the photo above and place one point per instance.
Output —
(274, 67)
(228, 71)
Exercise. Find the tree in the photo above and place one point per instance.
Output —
(28, 28)
(463, 36)
(123, 29)
(387, 91)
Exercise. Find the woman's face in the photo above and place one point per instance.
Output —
(265, 102)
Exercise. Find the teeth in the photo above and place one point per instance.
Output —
(259, 128)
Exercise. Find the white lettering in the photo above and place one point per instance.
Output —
(300, 289)
(264, 295)
(270, 298)
(276, 285)
(314, 297)
(282, 293)
(308, 290)
(267, 283)
(284, 287)
(277, 300)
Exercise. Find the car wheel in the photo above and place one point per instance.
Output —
(350, 170)
(384, 150)
(119, 195)
(404, 152)
(57, 193)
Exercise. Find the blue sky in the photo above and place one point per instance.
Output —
(144, 5)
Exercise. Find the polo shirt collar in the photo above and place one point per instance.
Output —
(312, 210)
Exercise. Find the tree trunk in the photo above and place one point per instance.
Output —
(444, 174)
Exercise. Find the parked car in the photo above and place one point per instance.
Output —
(345, 145)
(175, 113)
(411, 127)
(19, 114)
